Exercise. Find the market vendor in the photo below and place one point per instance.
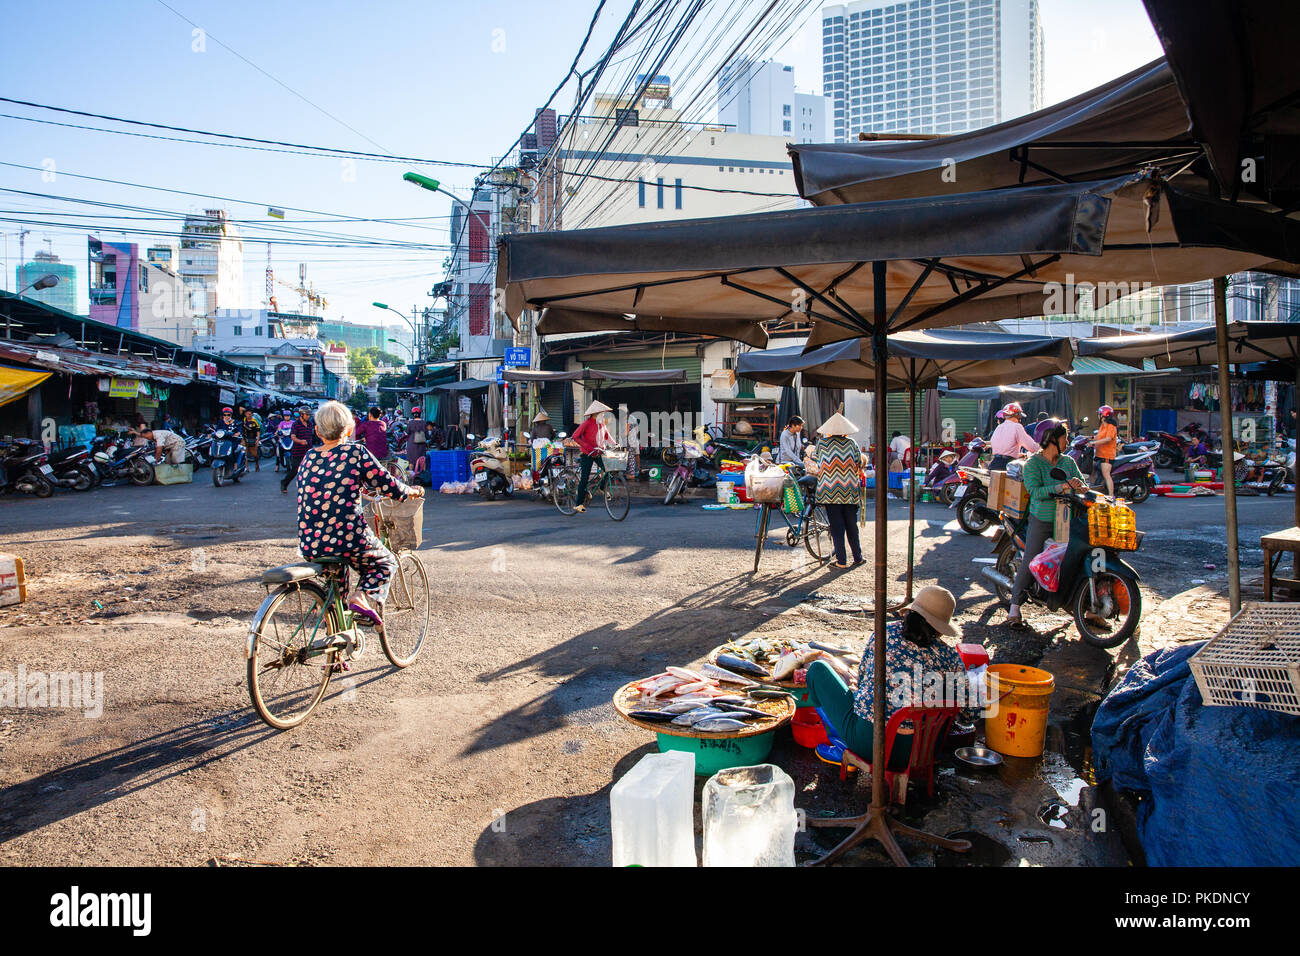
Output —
(167, 444)
(542, 427)
(591, 436)
(913, 645)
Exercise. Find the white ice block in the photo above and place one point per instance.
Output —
(749, 817)
(652, 812)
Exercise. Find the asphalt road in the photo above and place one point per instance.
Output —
(538, 618)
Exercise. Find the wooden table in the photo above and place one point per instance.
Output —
(1275, 545)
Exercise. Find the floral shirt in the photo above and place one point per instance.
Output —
(330, 516)
(916, 677)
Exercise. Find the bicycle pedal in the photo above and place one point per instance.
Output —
(341, 667)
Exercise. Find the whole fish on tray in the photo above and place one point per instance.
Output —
(741, 666)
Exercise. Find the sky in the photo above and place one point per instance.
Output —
(434, 80)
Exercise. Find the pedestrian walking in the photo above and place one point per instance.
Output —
(839, 485)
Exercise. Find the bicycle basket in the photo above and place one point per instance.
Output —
(402, 520)
(614, 460)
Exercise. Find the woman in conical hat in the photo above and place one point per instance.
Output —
(591, 436)
(839, 485)
(542, 427)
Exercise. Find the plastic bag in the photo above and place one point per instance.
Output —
(1046, 565)
(764, 482)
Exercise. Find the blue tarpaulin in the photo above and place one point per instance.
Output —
(1222, 782)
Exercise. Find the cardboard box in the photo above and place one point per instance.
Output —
(13, 580)
(173, 474)
(1015, 497)
(1061, 529)
(997, 480)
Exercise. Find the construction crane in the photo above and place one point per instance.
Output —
(311, 302)
(270, 282)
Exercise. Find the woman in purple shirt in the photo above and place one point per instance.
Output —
(374, 434)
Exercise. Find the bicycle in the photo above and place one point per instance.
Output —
(810, 526)
(613, 484)
(304, 632)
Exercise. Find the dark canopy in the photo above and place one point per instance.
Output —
(1235, 65)
(1134, 121)
(1247, 342)
(917, 360)
(1001, 394)
(465, 385)
(951, 260)
(649, 376)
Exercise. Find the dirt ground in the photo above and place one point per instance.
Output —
(500, 745)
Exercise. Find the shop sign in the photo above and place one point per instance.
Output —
(226, 397)
(207, 369)
(123, 387)
(501, 374)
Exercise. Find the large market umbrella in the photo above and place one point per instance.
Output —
(1001, 393)
(872, 269)
(918, 360)
(931, 418)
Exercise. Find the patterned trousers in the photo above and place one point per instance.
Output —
(374, 565)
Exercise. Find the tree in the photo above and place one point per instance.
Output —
(361, 368)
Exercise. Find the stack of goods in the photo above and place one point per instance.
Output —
(780, 659)
(1112, 526)
(457, 488)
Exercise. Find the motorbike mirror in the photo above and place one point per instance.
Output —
(528, 434)
(564, 434)
(1057, 474)
(470, 436)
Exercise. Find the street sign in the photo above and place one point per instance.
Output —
(519, 356)
(501, 374)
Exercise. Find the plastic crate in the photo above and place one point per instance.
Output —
(450, 465)
(1254, 661)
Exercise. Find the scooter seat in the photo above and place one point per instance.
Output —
(288, 573)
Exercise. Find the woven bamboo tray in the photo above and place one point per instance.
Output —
(627, 698)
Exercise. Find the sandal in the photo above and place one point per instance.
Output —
(841, 567)
(581, 509)
(366, 614)
(1016, 623)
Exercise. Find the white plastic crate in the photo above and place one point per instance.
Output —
(1254, 661)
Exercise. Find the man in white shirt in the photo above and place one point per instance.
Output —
(166, 444)
(899, 444)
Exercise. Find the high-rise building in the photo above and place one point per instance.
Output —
(930, 66)
(62, 296)
(134, 293)
(760, 99)
(212, 262)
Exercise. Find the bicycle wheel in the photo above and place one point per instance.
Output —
(289, 666)
(564, 487)
(817, 534)
(764, 515)
(617, 498)
(406, 612)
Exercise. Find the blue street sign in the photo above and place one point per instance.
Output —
(501, 374)
(519, 356)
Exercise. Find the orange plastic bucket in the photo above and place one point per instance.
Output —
(1020, 698)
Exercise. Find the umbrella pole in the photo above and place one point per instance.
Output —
(876, 824)
(911, 496)
(1225, 440)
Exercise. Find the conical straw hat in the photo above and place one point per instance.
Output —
(595, 408)
(837, 424)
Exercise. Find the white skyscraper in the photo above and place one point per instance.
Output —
(930, 66)
(760, 99)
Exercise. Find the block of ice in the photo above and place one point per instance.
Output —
(749, 817)
(652, 812)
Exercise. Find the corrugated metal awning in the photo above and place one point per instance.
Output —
(1091, 365)
(76, 361)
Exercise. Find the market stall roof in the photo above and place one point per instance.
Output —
(649, 376)
(1247, 342)
(1234, 62)
(1092, 365)
(465, 385)
(1133, 121)
(951, 260)
(270, 392)
(78, 361)
(1001, 393)
(917, 360)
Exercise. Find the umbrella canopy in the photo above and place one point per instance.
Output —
(1248, 342)
(1135, 121)
(1234, 63)
(465, 385)
(961, 259)
(652, 376)
(917, 360)
(931, 418)
(1001, 394)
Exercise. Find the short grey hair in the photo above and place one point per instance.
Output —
(332, 420)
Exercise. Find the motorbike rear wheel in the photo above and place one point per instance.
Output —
(675, 484)
(947, 493)
(85, 479)
(42, 487)
(970, 522)
(1113, 593)
(1277, 483)
(141, 472)
(1141, 492)
(1008, 563)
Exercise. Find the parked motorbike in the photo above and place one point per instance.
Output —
(696, 462)
(1173, 449)
(543, 475)
(199, 447)
(971, 500)
(1097, 586)
(73, 469)
(1133, 475)
(945, 488)
(117, 459)
(229, 461)
(25, 467)
(489, 465)
(1273, 474)
(266, 445)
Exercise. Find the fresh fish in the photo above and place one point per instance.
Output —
(653, 716)
(785, 666)
(717, 725)
(727, 699)
(680, 706)
(726, 676)
(685, 674)
(767, 693)
(644, 684)
(695, 699)
(741, 666)
(742, 709)
(819, 646)
(661, 686)
(693, 717)
(693, 687)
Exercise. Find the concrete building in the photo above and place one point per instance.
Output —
(760, 99)
(930, 66)
(134, 293)
(211, 262)
(62, 296)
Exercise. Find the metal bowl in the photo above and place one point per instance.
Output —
(979, 757)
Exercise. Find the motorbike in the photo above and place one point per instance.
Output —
(696, 462)
(283, 450)
(116, 459)
(1133, 475)
(1173, 448)
(1273, 474)
(199, 447)
(1096, 584)
(229, 461)
(543, 474)
(25, 467)
(73, 468)
(945, 488)
(266, 445)
(490, 469)
(971, 500)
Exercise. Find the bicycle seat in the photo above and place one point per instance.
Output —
(808, 481)
(288, 573)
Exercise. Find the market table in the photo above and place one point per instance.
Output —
(1275, 545)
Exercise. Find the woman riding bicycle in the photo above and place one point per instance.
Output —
(592, 436)
(331, 523)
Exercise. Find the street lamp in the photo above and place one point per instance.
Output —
(426, 182)
(409, 350)
(47, 281)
